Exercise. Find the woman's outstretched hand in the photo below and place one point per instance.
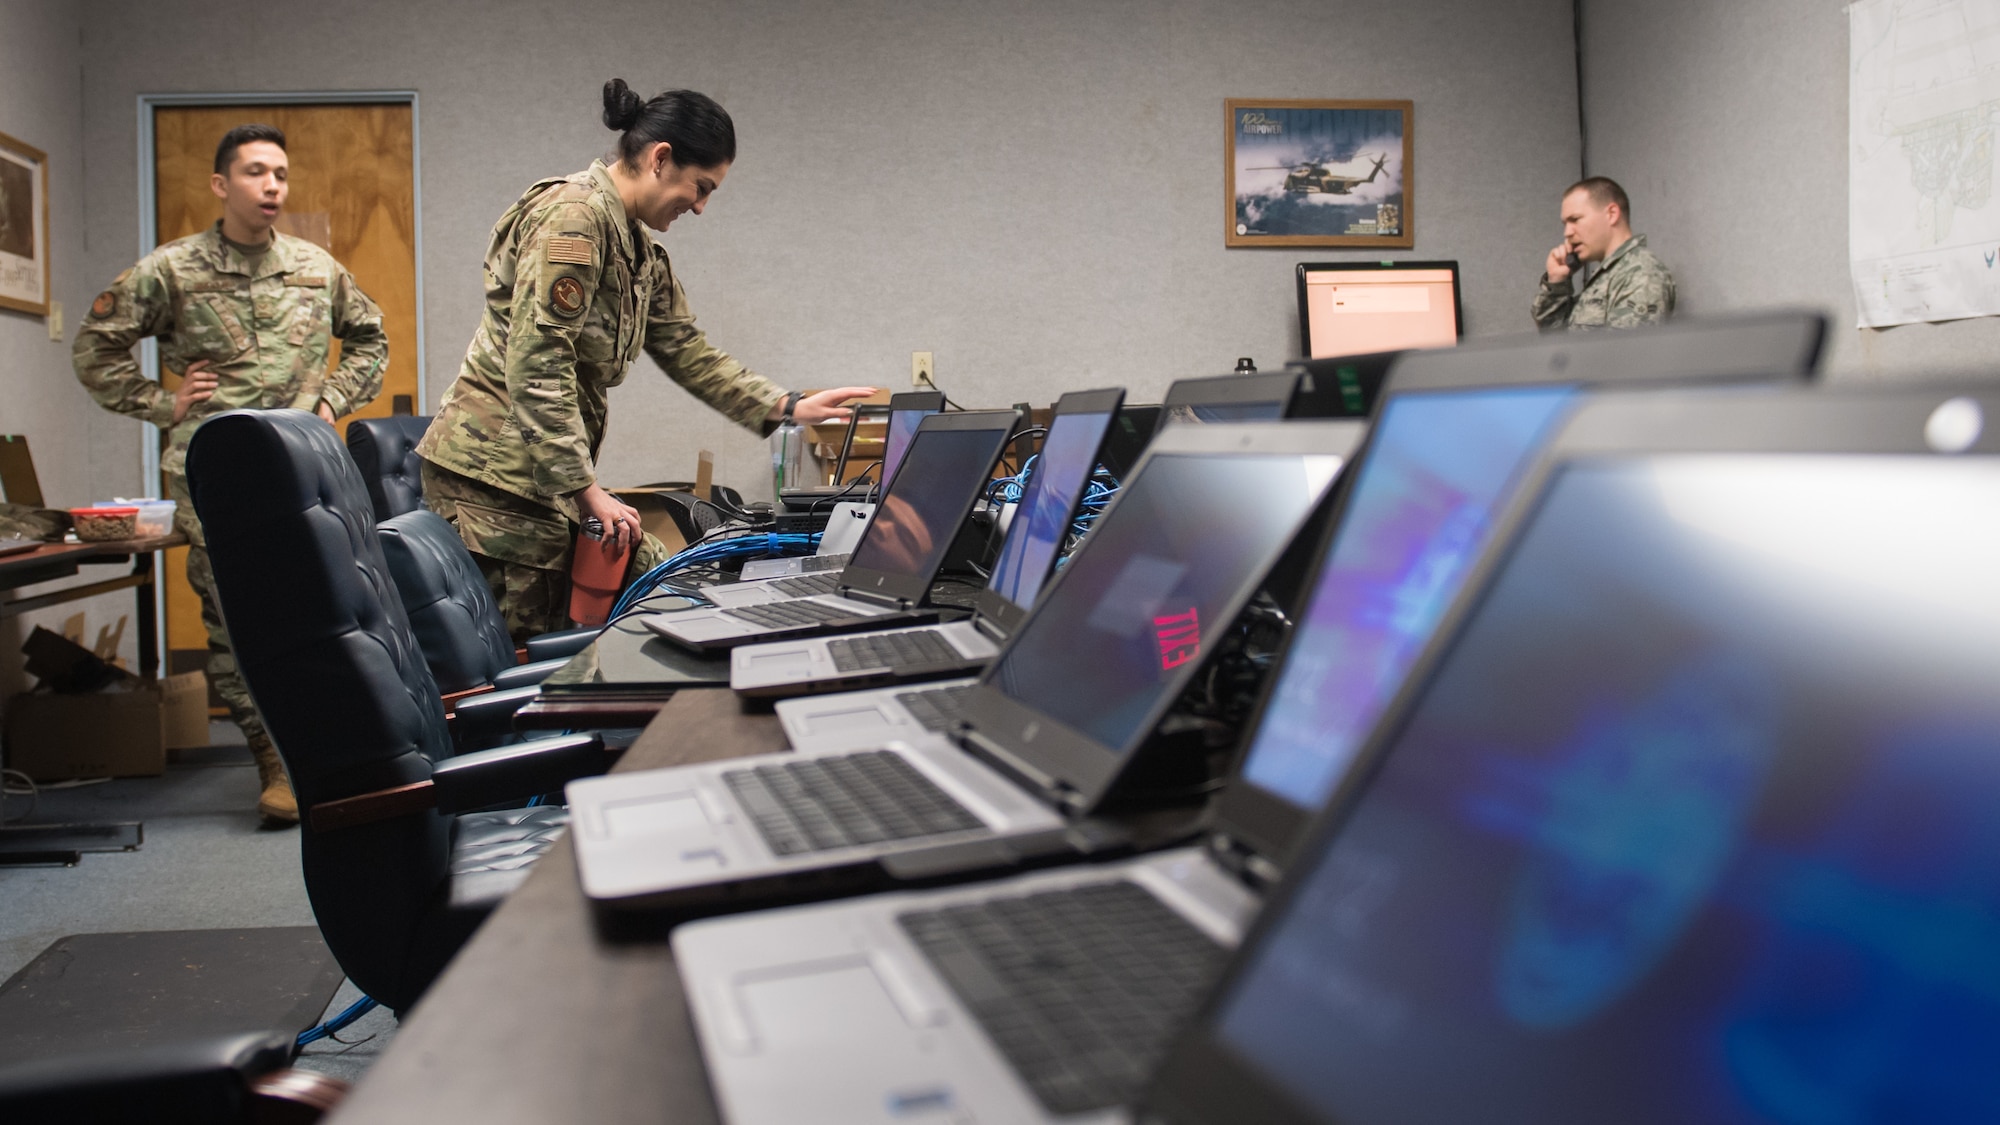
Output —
(825, 406)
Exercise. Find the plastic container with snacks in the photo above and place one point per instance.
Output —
(156, 517)
(105, 525)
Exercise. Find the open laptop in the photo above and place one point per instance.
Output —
(1261, 397)
(836, 546)
(1052, 728)
(1347, 386)
(894, 564)
(906, 411)
(1442, 462)
(1688, 816)
(1036, 534)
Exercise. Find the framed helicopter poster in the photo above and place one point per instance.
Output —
(1318, 173)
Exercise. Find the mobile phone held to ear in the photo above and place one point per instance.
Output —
(1572, 261)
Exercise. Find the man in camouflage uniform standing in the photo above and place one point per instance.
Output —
(575, 289)
(1631, 288)
(248, 316)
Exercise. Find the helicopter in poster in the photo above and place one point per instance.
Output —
(1320, 179)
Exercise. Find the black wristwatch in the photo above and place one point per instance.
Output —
(791, 402)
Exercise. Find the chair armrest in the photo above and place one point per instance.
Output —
(563, 645)
(526, 675)
(483, 719)
(510, 773)
(202, 1079)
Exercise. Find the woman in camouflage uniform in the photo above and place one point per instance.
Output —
(575, 288)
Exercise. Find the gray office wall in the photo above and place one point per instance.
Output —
(1727, 123)
(1030, 189)
(40, 86)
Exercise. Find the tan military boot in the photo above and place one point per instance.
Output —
(276, 804)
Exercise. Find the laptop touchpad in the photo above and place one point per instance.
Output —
(828, 1002)
(663, 815)
(779, 659)
(848, 719)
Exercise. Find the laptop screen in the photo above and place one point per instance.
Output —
(917, 519)
(902, 427)
(1189, 532)
(1226, 412)
(1041, 523)
(1695, 822)
(1439, 466)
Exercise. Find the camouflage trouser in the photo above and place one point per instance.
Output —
(221, 661)
(522, 547)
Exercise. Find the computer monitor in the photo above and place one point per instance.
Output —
(1347, 308)
(1262, 397)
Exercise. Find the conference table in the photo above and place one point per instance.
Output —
(550, 1015)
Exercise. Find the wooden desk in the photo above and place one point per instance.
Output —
(542, 1019)
(61, 560)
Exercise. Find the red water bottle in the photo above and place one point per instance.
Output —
(596, 574)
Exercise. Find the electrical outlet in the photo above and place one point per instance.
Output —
(923, 372)
(55, 321)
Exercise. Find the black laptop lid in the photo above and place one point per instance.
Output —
(1695, 815)
(1190, 535)
(1262, 397)
(1041, 523)
(1347, 386)
(951, 457)
(907, 411)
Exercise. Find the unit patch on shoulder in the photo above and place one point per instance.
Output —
(567, 296)
(105, 305)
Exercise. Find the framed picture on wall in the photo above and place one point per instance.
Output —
(24, 227)
(1318, 173)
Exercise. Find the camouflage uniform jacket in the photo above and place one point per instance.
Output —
(1632, 288)
(574, 289)
(264, 328)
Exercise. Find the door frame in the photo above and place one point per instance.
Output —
(149, 230)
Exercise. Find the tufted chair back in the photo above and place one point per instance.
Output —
(451, 609)
(323, 643)
(385, 450)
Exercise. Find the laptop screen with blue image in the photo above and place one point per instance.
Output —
(1439, 467)
(1042, 522)
(1697, 820)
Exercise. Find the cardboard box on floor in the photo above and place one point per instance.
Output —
(124, 730)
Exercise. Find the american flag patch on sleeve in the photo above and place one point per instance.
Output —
(570, 250)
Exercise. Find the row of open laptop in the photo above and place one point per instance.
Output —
(1634, 754)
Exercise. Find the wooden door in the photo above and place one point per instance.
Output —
(353, 192)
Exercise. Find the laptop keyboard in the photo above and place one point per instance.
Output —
(865, 798)
(936, 709)
(906, 648)
(813, 564)
(790, 615)
(1081, 989)
(806, 587)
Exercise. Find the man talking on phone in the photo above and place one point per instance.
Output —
(1630, 286)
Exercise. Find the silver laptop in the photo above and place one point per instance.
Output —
(1049, 731)
(1446, 456)
(889, 578)
(836, 546)
(1040, 527)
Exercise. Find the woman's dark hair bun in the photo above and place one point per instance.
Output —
(621, 105)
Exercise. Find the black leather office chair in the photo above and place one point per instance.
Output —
(397, 881)
(217, 1079)
(385, 450)
(459, 628)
